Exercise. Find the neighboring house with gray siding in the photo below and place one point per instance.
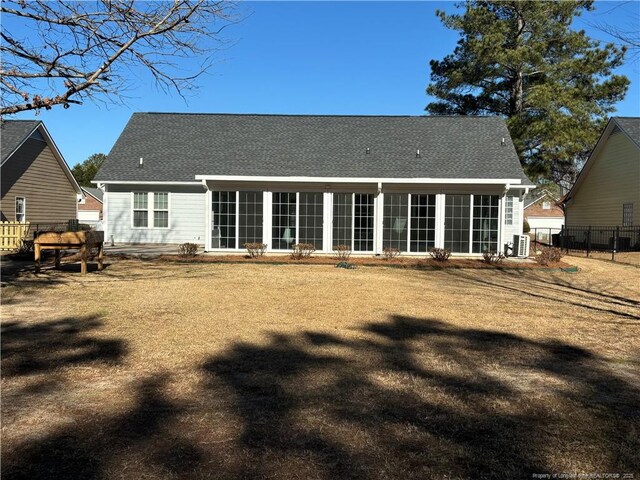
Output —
(607, 191)
(37, 185)
(369, 182)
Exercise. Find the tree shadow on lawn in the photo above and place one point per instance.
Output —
(545, 290)
(407, 398)
(41, 347)
(422, 399)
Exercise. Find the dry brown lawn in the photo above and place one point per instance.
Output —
(629, 258)
(156, 370)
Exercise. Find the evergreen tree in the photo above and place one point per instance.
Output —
(86, 171)
(521, 60)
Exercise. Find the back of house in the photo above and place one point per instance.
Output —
(37, 185)
(367, 182)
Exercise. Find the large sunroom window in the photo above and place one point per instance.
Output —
(223, 228)
(409, 222)
(395, 222)
(342, 219)
(353, 221)
(249, 218)
(236, 218)
(423, 222)
(310, 212)
(485, 223)
(363, 222)
(457, 220)
(283, 232)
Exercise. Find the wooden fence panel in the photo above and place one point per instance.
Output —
(12, 234)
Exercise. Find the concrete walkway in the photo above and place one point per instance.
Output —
(141, 250)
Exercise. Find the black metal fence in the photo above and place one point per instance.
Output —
(72, 225)
(543, 237)
(598, 239)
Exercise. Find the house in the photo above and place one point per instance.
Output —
(37, 185)
(368, 182)
(544, 214)
(90, 206)
(607, 191)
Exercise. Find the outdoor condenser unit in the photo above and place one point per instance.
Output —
(521, 245)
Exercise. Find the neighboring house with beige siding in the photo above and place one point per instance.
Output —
(37, 185)
(607, 191)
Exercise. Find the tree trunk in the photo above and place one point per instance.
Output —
(517, 88)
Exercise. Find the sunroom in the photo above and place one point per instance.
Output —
(367, 217)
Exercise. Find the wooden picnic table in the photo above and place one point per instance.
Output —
(83, 241)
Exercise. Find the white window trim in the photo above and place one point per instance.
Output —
(508, 207)
(24, 209)
(153, 210)
(150, 210)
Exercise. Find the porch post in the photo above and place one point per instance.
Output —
(207, 218)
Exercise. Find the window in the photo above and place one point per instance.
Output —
(508, 211)
(485, 223)
(363, 222)
(161, 210)
(423, 222)
(310, 216)
(395, 225)
(250, 220)
(283, 231)
(342, 219)
(140, 209)
(457, 213)
(223, 220)
(21, 209)
(627, 215)
(546, 205)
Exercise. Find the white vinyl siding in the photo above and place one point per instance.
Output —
(186, 223)
(517, 218)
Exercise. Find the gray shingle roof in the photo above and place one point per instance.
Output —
(12, 134)
(95, 192)
(176, 147)
(631, 126)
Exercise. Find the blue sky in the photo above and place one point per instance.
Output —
(368, 58)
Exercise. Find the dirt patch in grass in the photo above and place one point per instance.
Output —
(201, 370)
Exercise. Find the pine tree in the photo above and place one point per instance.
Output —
(522, 60)
(86, 171)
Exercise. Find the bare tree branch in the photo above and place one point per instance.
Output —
(64, 52)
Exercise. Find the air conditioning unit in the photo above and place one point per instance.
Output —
(521, 245)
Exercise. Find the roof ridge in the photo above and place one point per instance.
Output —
(221, 114)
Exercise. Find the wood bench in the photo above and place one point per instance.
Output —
(83, 241)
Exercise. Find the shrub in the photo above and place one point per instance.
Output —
(255, 249)
(525, 227)
(343, 252)
(345, 265)
(492, 257)
(390, 252)
(549, 255)
(440, 254)
(188, 249)
(302, 250)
